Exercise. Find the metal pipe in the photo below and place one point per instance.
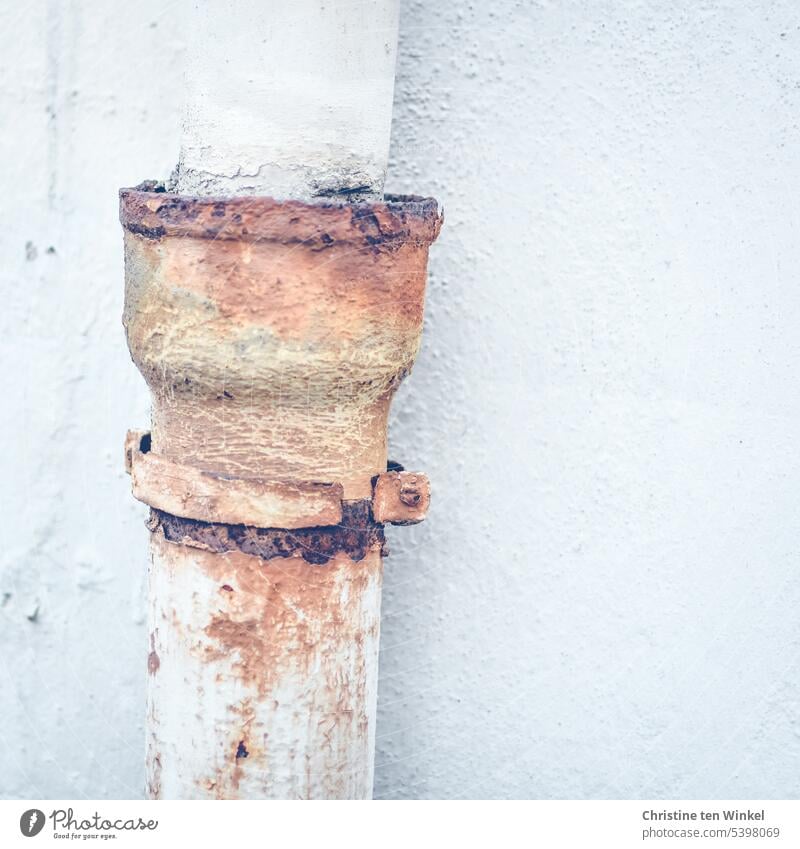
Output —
(272, 336)
(291, 100)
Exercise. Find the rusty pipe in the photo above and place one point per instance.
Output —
(272, 336)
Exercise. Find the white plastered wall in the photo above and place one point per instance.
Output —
(603, 601)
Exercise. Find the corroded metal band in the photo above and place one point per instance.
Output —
(152, 212)
(357, 533)
(183, 490)
(175, 489)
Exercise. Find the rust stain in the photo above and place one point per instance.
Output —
(154, 778)
(224, 784)
(354, 536)
(401, 498)
(286, 616)
(153, 662)
(151, 212)
(237, 773)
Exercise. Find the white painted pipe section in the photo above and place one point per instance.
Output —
(291, 100)
(264, 676)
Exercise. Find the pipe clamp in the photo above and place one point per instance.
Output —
(398, 498)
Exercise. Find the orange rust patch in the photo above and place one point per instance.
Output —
(284, 614)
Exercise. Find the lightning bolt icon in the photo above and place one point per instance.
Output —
(33, 819)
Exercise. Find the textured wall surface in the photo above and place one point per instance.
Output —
(603, 601)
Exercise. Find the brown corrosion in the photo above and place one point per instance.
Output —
(354, 536)
(401, 497)
(148, 210)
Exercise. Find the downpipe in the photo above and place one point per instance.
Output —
(272, 336)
